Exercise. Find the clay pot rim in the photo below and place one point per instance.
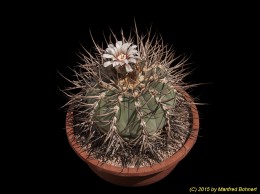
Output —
(141, 171)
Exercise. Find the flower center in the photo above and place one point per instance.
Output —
(121, 57)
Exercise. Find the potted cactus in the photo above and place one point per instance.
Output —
(129, 116)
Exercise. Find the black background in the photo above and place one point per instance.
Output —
(223, 47)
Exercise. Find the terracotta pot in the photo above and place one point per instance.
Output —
(136, 176)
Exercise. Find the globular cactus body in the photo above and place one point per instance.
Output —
(133, 113)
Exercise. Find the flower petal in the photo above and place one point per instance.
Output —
(111, 51)
(108, 56)
(107, 63)
(132, 60)
(111, 46)
(115, 63)
(119, 45)
(133, 51)
(135, 56)
(130, 56)
(125, 47)
(121, 63)
(133, 47)
(128, 68)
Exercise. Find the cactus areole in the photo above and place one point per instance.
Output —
(128, 110)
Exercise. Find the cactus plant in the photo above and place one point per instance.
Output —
(128, 110)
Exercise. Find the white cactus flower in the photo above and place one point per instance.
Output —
(121, 54)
